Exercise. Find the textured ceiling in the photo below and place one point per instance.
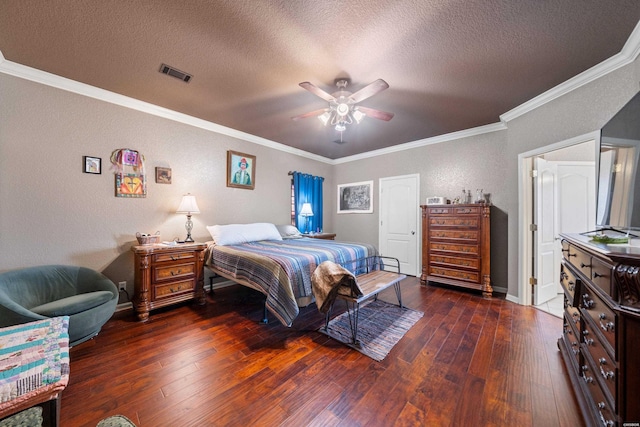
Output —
(451, 64)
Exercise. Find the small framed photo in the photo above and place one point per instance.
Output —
(92, 164)
(241, 170)
(356, 197)
(163, 175)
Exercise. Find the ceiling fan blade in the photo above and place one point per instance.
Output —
(369, 90)
(317, 91)
(310, 114)
(376, 114)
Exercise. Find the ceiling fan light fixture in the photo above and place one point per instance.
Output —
(324, 117)
(342, 109)
(358, 115)
(340, 127)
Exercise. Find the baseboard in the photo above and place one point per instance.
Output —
(124, 306)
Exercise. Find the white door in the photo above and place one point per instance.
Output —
(399, 221)
(565, 201)
(546, 267)
(576, 197)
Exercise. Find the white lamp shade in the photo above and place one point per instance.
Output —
(188, 205)
(306, 210)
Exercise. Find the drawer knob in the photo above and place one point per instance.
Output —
(588, 303)
(570, 255)
(583, 265)
(596, 275)
(608, 375)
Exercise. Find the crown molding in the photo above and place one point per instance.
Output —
(45, 78)
(480, 130)
(627, 55)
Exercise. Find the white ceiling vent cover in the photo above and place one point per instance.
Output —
(174, 72)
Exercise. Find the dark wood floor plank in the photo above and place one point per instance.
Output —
(467, 361)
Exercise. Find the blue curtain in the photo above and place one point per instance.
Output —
(308, 189)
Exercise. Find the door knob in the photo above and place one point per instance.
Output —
(413, 232)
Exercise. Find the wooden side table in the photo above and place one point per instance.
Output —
(166, 275)
(325, 236)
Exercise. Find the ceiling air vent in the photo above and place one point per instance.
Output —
(173, 72)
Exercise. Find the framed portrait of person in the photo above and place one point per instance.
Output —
(241, 170)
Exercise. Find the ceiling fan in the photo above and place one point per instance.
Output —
(342, 110)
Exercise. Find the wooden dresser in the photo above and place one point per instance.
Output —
(166, 275)
(600, 343)
(456, 246)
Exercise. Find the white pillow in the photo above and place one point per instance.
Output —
(234, 234)
(288, 231)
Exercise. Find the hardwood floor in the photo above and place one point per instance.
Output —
(467, 362)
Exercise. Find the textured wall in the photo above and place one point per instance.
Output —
(445, 169)
(51, 212)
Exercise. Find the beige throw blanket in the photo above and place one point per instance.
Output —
(330, 278)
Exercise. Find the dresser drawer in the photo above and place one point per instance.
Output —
(468, 276)
(471, 236)
(455, 210)
(570, 333)
(471, 263)
(600, 404)
(166, 290)
(572, 314)
(601, 316)
(174, 256)
(580, 260)
(173, 271)
(455, 222)
(601, 275)
(604, 366)
(569, 283)
(454, 249)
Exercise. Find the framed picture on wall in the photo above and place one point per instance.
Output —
(356, 197)
(163, 175)
(92, 164)
(241, 170)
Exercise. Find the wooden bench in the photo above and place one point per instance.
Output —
(372, 276)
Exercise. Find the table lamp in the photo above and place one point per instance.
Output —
(306, 212)
(188, 206)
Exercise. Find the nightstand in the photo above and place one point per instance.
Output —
(325, 236)
(166, 275)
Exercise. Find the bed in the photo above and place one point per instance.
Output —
(277, 263)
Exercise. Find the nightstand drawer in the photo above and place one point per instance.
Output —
(176, 256)
(173, 288)
(174, 271)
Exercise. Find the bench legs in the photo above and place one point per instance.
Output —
(353, 312)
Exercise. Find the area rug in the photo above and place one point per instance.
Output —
(380, 326)
(116, 421)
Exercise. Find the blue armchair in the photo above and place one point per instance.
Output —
(34, 293)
